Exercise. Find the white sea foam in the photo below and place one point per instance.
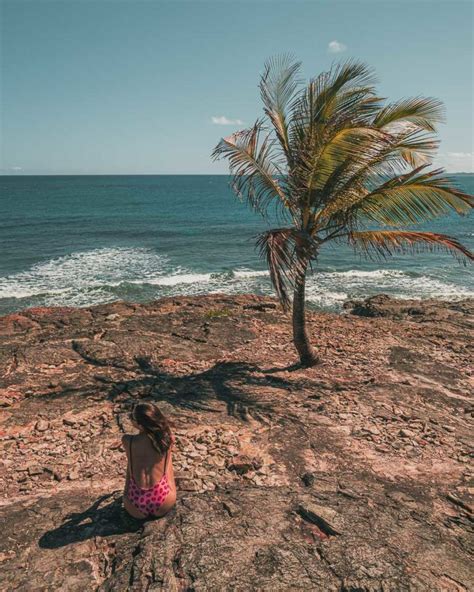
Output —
(177, 279)
(332, 288)
(363, 274)
(182, 276)
(250, 273)
(80, 278)
(104, 275)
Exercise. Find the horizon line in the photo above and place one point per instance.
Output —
(153, 174)
(114, 174)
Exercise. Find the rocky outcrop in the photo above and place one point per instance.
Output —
(414, 310)
(350, 476)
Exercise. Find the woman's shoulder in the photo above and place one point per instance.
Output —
(126, 439)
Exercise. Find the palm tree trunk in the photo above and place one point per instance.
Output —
(303, 346)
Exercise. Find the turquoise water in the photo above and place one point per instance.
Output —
(81, 240)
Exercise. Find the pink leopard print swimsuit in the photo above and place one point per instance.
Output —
(147, 501)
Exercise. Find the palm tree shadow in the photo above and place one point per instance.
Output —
(236, 386)
(240, 389)
(97, 520)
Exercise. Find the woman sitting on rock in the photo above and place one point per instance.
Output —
(150, 490)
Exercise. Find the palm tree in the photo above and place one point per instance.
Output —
(335, 161)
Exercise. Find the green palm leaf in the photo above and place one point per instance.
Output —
(411, 198)
(348, 144)
(252, 164)
(278, 87)
(424, 113)
(328, 101)
(383, 243)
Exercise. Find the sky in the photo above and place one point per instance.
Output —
(149, 87)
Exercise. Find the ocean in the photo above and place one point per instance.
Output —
(83, 240)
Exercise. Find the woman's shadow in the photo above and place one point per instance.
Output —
(98, 520)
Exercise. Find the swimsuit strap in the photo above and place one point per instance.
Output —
(166, 461)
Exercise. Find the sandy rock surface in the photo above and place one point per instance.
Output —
(350, 476)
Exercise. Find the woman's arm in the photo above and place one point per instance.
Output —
(169, 468)
(126, 445)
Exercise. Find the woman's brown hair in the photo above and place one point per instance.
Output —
(155, 424)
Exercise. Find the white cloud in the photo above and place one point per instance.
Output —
(336, 47)
(11, 170)
(460, 154)
(223, 120)
(457, 162)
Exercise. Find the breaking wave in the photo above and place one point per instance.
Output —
(139, 274)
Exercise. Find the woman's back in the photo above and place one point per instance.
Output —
(150, 488)
(148, 466)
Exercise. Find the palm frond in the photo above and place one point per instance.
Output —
(383, 243)
(416, 198)
(364, 174)
(255, 174)
(415, 148)
(287, 252)
(369, 145)
(330, 124)
(338, 90)
(361, 143)
(413, 198)
(332, 97)
(278, 86)
(423, 112)
(350, 180)
(403, 137)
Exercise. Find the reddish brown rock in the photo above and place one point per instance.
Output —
(242, 464)
(362, 480)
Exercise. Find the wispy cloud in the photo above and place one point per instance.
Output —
(336, 47)
(223, 120)
(11, 170)
(457, 162)
(460, 154)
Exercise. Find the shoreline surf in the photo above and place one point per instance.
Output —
(79, 241)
